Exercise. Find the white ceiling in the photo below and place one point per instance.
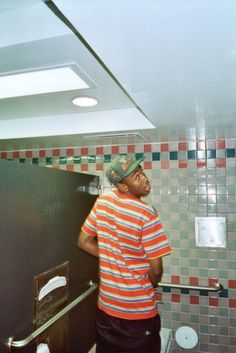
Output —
(167, 64)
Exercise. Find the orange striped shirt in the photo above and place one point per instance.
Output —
(129, 233)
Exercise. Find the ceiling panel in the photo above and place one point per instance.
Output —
(172, 62)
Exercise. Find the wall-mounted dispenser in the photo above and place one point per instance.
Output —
(210, 232)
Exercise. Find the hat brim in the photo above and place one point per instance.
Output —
(133, 166)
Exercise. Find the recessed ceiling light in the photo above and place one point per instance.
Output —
(84, 101)
(42, 81)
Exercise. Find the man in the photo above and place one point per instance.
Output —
(127, 236)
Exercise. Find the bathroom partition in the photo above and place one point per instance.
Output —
(41, 213)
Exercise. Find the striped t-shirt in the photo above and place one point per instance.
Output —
(129, 233)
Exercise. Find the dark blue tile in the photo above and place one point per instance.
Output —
(35, 160)
(107, 158)
(48, 160)
(91, 158)
(138, 155)
(156, 156)
(166, 289)
(230, 152)
(191, 154)
(62, 160)
(173, 156)
(224, 293)
(211, 154)
(184, 291)
(77, 159)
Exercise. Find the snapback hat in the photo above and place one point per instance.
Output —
(120, 167)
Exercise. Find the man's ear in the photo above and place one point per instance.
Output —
(122, 187)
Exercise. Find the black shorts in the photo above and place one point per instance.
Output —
(116, 335)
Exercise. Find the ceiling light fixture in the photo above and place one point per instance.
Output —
(42, 81)
(84, 101)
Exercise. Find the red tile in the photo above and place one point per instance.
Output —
(182, 146)
(193, 281)
(70, 167)
(99, 166)
(183, 163)
(147, 148)
(84, 167)
(28, 154)
(56, 152)
(84, 151)
(212, 281)
(220, 162)
(175, 298)
(220, 144)
(213, 301)
(232, 303)
(3, 155)
(42, 153)
(131, 148)
(194, 299)
(99, 150)
(175, 279)
(70, 152)
(201, 163)
(232, 284)
(164, 147)
(165, 164)
(147, 165)
(115, 149)
(16, 154)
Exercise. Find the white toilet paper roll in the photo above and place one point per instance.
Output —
(186, 337)
(43, 348)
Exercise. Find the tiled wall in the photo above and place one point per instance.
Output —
(189, 179)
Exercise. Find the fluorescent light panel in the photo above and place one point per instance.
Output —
(38, 82)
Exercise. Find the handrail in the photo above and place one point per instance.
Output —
(218, 287)
(22, 343)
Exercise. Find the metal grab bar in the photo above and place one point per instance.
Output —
(218, 287)
(22, 343)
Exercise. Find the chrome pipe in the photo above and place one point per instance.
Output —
(218, 287)
(11, 343)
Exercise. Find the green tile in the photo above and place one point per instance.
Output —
(184, 271)
(184, 253)
(193, 262)
(203, 272)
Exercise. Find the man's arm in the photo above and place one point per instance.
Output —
(88, 243)
(156, 271)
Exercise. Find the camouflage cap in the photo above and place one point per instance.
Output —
(120, 167)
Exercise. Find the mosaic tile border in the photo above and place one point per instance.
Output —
(199, 156)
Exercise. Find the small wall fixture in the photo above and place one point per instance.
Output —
(84, 101)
